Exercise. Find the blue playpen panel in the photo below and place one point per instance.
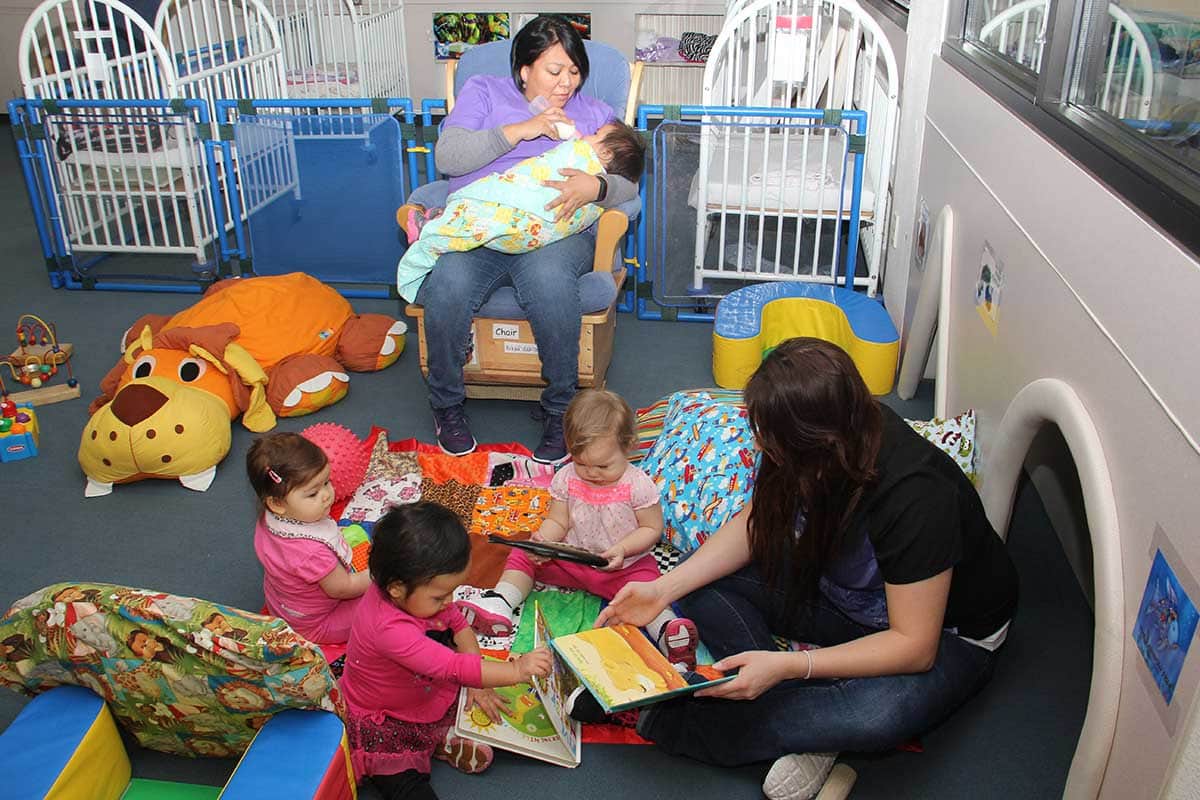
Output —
(321, 193)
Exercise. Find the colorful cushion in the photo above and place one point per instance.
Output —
(954, 436)
(183, 675)
(704, 464)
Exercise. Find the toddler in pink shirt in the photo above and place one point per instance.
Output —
(411, 651)
(306, 562)
(602, 503)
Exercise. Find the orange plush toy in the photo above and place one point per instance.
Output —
(260, 347)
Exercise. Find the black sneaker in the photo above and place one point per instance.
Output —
(453, 431)
(553, 448)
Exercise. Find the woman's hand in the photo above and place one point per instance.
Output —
(575, 190)
(488, 702)
(615, 556)
(637, 603)
(537, 126)
(758, 671)
(535, 662)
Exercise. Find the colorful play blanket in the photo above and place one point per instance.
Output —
(184, 676)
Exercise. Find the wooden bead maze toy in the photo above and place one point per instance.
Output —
(35, 362)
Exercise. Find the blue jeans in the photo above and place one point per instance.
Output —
(739, 612)
(547, 288)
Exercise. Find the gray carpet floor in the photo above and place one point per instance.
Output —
(1016, 739)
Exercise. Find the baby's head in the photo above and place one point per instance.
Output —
(419, 554)
(290, 475)
(599, 431)
(620, 149)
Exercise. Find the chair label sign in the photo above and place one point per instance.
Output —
(524, 348)
(505, 330)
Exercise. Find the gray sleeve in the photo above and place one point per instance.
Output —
(462, 150)
(620, 190)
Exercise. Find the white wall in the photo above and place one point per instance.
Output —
(612, 23)
(1094, 295)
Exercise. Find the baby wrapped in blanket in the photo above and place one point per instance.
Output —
(506, 211)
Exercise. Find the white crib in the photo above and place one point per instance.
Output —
(343, 48)
(1019, 33)
(129, 178)
(823, 54)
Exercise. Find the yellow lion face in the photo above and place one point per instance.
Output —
(155, 427)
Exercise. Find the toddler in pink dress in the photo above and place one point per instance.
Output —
(602, 503)
(411, 651)
(306, 562)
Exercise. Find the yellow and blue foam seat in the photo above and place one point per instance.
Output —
(753, 320)
(64, 745)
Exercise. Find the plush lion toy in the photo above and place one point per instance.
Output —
(260, 347)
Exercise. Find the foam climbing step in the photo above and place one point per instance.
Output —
(753, 320)
(64, 745)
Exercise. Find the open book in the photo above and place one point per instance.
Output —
(537, 724)
(623, 669)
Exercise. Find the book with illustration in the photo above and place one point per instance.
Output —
(537, 724)
(623, 669)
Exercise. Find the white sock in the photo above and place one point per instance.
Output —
(655, 628)
(511, 594)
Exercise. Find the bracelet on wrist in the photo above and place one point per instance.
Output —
(600, 195)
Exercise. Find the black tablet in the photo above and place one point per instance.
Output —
(563, 552)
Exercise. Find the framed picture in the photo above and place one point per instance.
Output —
(580, 22)
(454, 32)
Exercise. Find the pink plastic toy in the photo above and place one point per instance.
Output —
(348, 455)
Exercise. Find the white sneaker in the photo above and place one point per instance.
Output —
(488, 614)
(798, 776)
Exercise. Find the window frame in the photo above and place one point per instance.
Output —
(1155, 184)
(894, 11)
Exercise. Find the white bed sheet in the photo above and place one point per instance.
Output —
(158, 169)
(768, 185)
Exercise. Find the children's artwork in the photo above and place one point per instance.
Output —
(921, 238)
(537, 724)
(580, 22)
(454, 32)
(1165, 624)
(989, 288)
(623, 669)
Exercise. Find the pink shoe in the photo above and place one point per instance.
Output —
(679, 640)
(464, 755)
(410, 216)
(488, 614)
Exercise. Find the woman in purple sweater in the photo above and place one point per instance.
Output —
(495, 123)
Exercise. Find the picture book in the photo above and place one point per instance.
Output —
(537, 724)
(623, 669)
(557, 550)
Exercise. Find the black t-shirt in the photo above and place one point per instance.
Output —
(921, 517)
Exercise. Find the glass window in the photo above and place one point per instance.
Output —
(1144, 70)
(1015, 29)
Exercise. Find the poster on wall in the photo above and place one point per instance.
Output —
(1166, 622)
(989, 288)
(454, 32)
(921, 236)
(580, 22)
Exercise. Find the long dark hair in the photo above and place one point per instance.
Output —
(539, 35)
(413, 544)
(819, 429)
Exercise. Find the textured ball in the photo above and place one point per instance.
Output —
(348, 455)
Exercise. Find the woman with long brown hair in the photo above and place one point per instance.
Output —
(862, 538)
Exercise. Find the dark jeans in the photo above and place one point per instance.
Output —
(739, 613)
(546, 281)
(407, 785)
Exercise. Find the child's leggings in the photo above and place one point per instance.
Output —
(407, 785)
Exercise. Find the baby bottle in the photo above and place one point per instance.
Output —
(565, 130)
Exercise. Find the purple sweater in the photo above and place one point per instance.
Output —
(489, 101)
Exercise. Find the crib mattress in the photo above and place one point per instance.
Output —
(802, 189)
(160, 168)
